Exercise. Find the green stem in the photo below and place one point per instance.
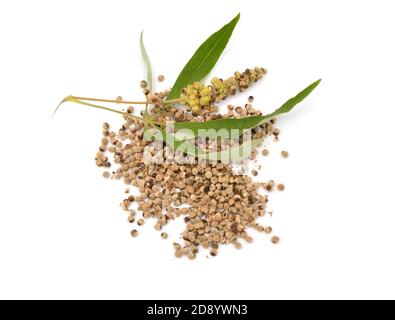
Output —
(104, 108)
(108, 100)
(125, 114)
(173, 101)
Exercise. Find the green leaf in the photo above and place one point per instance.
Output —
(204, 58)
(234, 154)
(146, 61)
(225, 127)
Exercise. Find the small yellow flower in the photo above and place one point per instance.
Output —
(205, 101)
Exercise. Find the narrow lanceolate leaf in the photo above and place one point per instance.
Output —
(228, 127)
(204, 59)
(234, 154)
(146, 61)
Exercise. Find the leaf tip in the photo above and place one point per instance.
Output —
(61, 102)
(315, 84)
(236, 19)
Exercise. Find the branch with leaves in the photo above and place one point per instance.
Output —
(190, 92)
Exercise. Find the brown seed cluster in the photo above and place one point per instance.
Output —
(217, 205)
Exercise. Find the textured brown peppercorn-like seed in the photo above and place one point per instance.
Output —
(221, 205)
(280, 187)
(106, 174)
(134, 233)
(275, 239)
(285, 154)
(143, 84)
(254, 173)
(140, 222)
(238, 245)
(191, 256)
(131, 219)
(268, 230)
(265, 152)
(164, 235)
(161, 78)
(125, 203)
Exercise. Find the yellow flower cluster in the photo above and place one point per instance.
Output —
(198, 95)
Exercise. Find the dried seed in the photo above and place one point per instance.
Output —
(265, 152)
(284, 154)
(191, 256)
(177, 246)
(164, 235)
(280, 187)
(106, 174)
(275, 239)
(161, 78)
(268, 230)
(134, 233)
(238, 245)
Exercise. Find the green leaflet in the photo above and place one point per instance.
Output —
(146, 61)
(234, 154)
(228, 127)
(204, 59)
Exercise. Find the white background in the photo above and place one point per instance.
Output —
(62, 234)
